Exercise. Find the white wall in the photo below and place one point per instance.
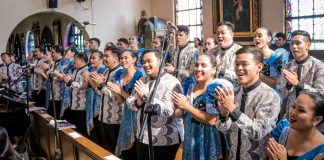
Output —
(113, 18)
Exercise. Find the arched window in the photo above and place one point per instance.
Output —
(74, 36)
(190, 13)
(306, 15)
(30, 43)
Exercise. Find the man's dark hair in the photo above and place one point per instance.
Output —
(228, 24)
(257, 54)
(280, 35)
(96, 40)
(124, 40)
(114, 50)
(183, 28)
(82, 56)
(157, 53)
(5, 53)
(302, 33)
(58, 49)
(41, 48)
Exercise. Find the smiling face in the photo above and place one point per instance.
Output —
(261, 38)
(6, 59)
(301, 114)
(151, 64)
(224, 36)
(203, 69)
(299, 47)
(127, 60)
(69, 54)
(109, 59)
(156, 43)
(247, 69)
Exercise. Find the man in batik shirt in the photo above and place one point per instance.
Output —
(167, 130)
(250, 116)
(184, 56)
(106, 127)
(76, 114)
(303, 74)
(225, 51)
(10, 73)
(38, 83)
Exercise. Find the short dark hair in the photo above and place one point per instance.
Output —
(318, 101)
(58, 49)
(302, 33)
(5, 53)
(280, 35)
(72, 48)
(257, 54)
(41, 48)
(157, 53)
(228, 24)
(99, 53)
(124, 40)
(183, 28)
(114, 50)
(96, 40)
(82, 56)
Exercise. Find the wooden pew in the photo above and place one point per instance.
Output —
(72, 148)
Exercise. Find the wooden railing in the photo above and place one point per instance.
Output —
(72, 148)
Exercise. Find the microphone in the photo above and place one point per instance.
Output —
(87, 23)
(171, 26)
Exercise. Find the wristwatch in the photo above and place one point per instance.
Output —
(145, 97)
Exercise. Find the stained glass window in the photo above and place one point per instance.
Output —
(306, 15)
(189, 12)
(75, 37)
(30, 43)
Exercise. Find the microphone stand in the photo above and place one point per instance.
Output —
(58, 151)
(151, 109)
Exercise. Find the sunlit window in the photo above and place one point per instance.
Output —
(306, 15)
(75, 37)
(30, 43)
(189, 12)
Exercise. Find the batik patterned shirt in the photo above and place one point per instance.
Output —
(311, 77)
(184, 61)
(37, 81)
(57, 83)
(78, 95)
(253, 127)
(166, 128)
(110, 110)
(225, 62)
(13, 72)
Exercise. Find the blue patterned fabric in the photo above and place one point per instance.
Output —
(126, 136)
(202, 141)
(93, 102)
(66, 92)
(280, 134)
(275, 63)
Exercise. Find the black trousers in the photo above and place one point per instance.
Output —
(78, 118)
(50, 109)
(129, 154)
(39, 98)
(106, 135)
(160, 152)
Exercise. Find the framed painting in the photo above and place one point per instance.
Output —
(244, 14)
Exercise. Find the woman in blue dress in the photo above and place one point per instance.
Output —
(124, 82)
(93, 98)
(299, 138)
(198, 106)
(274, 61)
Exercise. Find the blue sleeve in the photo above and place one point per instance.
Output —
(279, 128)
